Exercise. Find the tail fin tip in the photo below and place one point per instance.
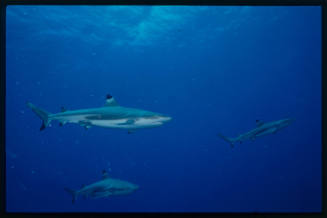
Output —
(230, 141)
(72, 192)
(42, 114)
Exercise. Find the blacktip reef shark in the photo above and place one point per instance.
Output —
(104, 188)
(111, 115)
(261, 129)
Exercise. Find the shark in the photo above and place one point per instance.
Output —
(111, 115)
(262, 128)
(106, 187)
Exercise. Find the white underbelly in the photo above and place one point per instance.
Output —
(123, 123)
(111, 123)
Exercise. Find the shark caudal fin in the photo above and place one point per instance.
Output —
(73, 193)
(229, 140)
(42, 114)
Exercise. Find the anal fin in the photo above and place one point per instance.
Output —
(85, 124)
(61, 123)
(42, 126)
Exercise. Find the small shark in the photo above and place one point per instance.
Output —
(104, 188)
(111, 115)
(261, 129)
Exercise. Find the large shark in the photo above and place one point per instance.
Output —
(111, 115)
(104, 188)
(261, 129)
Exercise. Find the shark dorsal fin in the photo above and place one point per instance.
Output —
(110, 101)
(259, 123)
(105, 174)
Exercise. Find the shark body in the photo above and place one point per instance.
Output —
(111, 115)
(261, 129)
(104, 188)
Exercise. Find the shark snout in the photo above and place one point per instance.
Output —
(285, 122)
(289, 121)
(165, 118)
(134, 187)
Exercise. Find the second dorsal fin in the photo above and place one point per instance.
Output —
(105, 174)
(259, 123)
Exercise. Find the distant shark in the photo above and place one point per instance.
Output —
(261, 129)
(104, 188)
(111, 115)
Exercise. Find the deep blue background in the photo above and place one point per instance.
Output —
(213, 69)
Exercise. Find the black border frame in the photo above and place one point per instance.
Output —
(4, 3)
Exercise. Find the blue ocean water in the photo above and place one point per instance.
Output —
(212, 69)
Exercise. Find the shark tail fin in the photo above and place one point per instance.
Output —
(42, 114)
(73, 193)
(229, 140)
